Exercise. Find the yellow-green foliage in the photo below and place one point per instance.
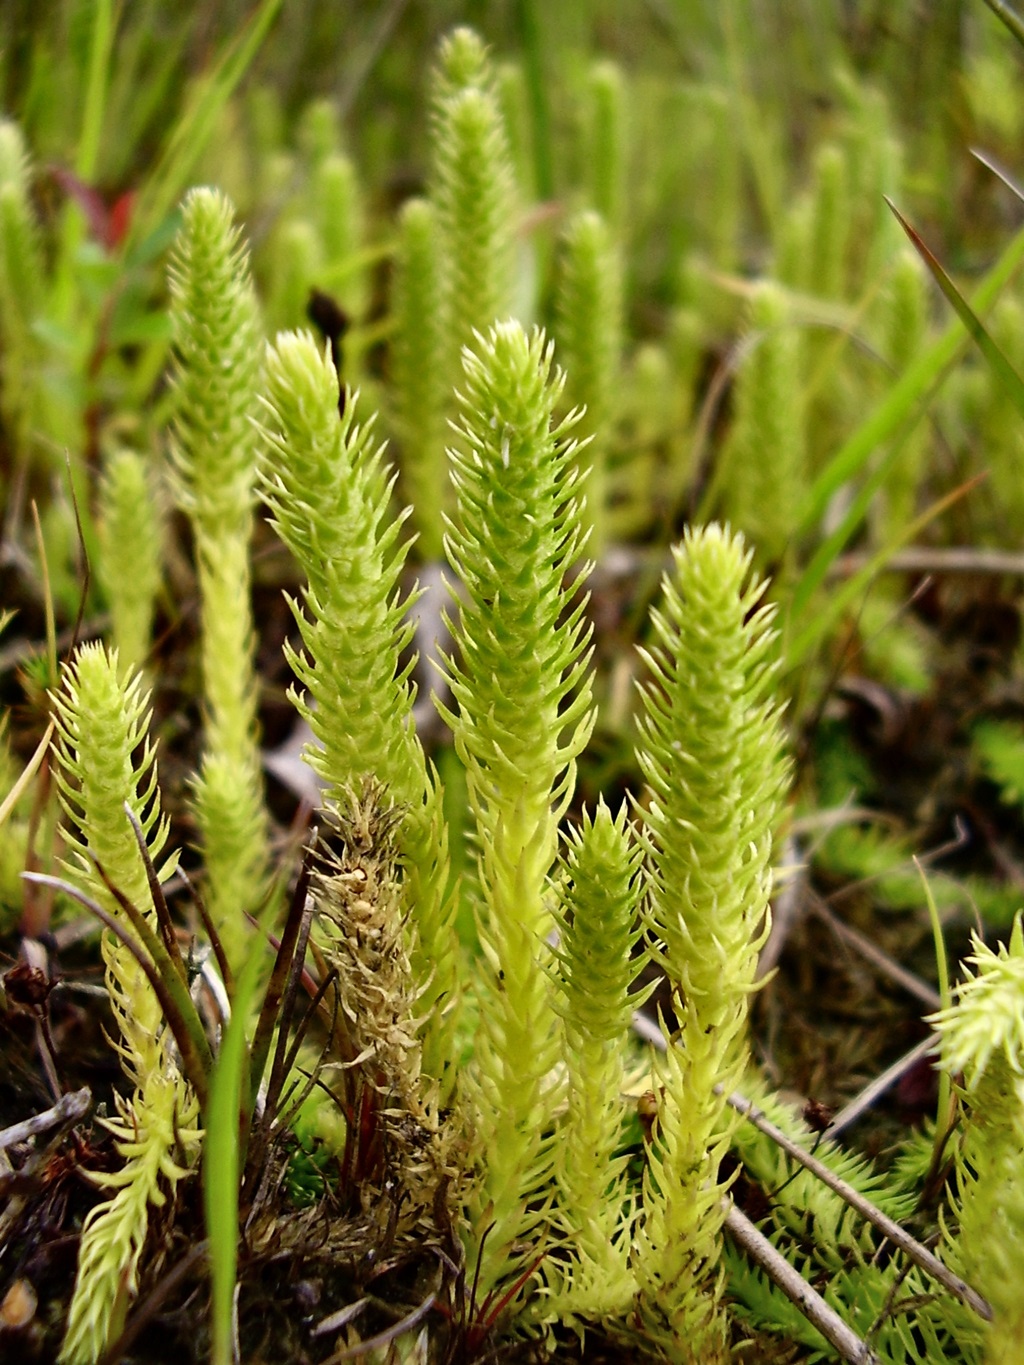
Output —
(473, 188)
(422, 394)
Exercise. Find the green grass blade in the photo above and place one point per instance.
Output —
(194, 129)
(1000, 366)
(96, 90)
(899, 403)
(1009, 16)
(799, 646)
(222, 1160)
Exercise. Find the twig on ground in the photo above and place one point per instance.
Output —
(69, 1109)
(844, 1339)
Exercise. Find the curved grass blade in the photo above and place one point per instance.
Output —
(1009, 16)
(1000, 366)
(1001, 172)
(800, 645)
(897, 407)
(193, 131)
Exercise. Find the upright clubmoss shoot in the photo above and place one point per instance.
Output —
(905, 301)
(521, 715)
(766, 456)
(21, 289)
(710, 748)
(422, 393)
(130, 536)
(606, 143)
(588, 330)
(216, 376)
(325, 483)
(982, 1047)
(600, 888)
(473, 188)
(102, 719)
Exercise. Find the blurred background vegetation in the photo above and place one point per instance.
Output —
(737, 155)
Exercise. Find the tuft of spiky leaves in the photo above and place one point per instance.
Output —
(600, 888)
(102, 719)
(216, 377)
(820, 1234)
(710, 748)
(589, 334)
(520, 683)
(325, 483)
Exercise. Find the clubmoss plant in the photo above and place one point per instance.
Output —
(711, 751)
(218, 362)
(420, 384)
(102, 719)
(599, 896)
(21, 289)
(588, 331)
(337, 210)
(982, 1047)
(473, 188)
(830, 224)
(607, 144)
(522, 714)
(905, 302)
(325, 483)
(130, 535)
(765, 459)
